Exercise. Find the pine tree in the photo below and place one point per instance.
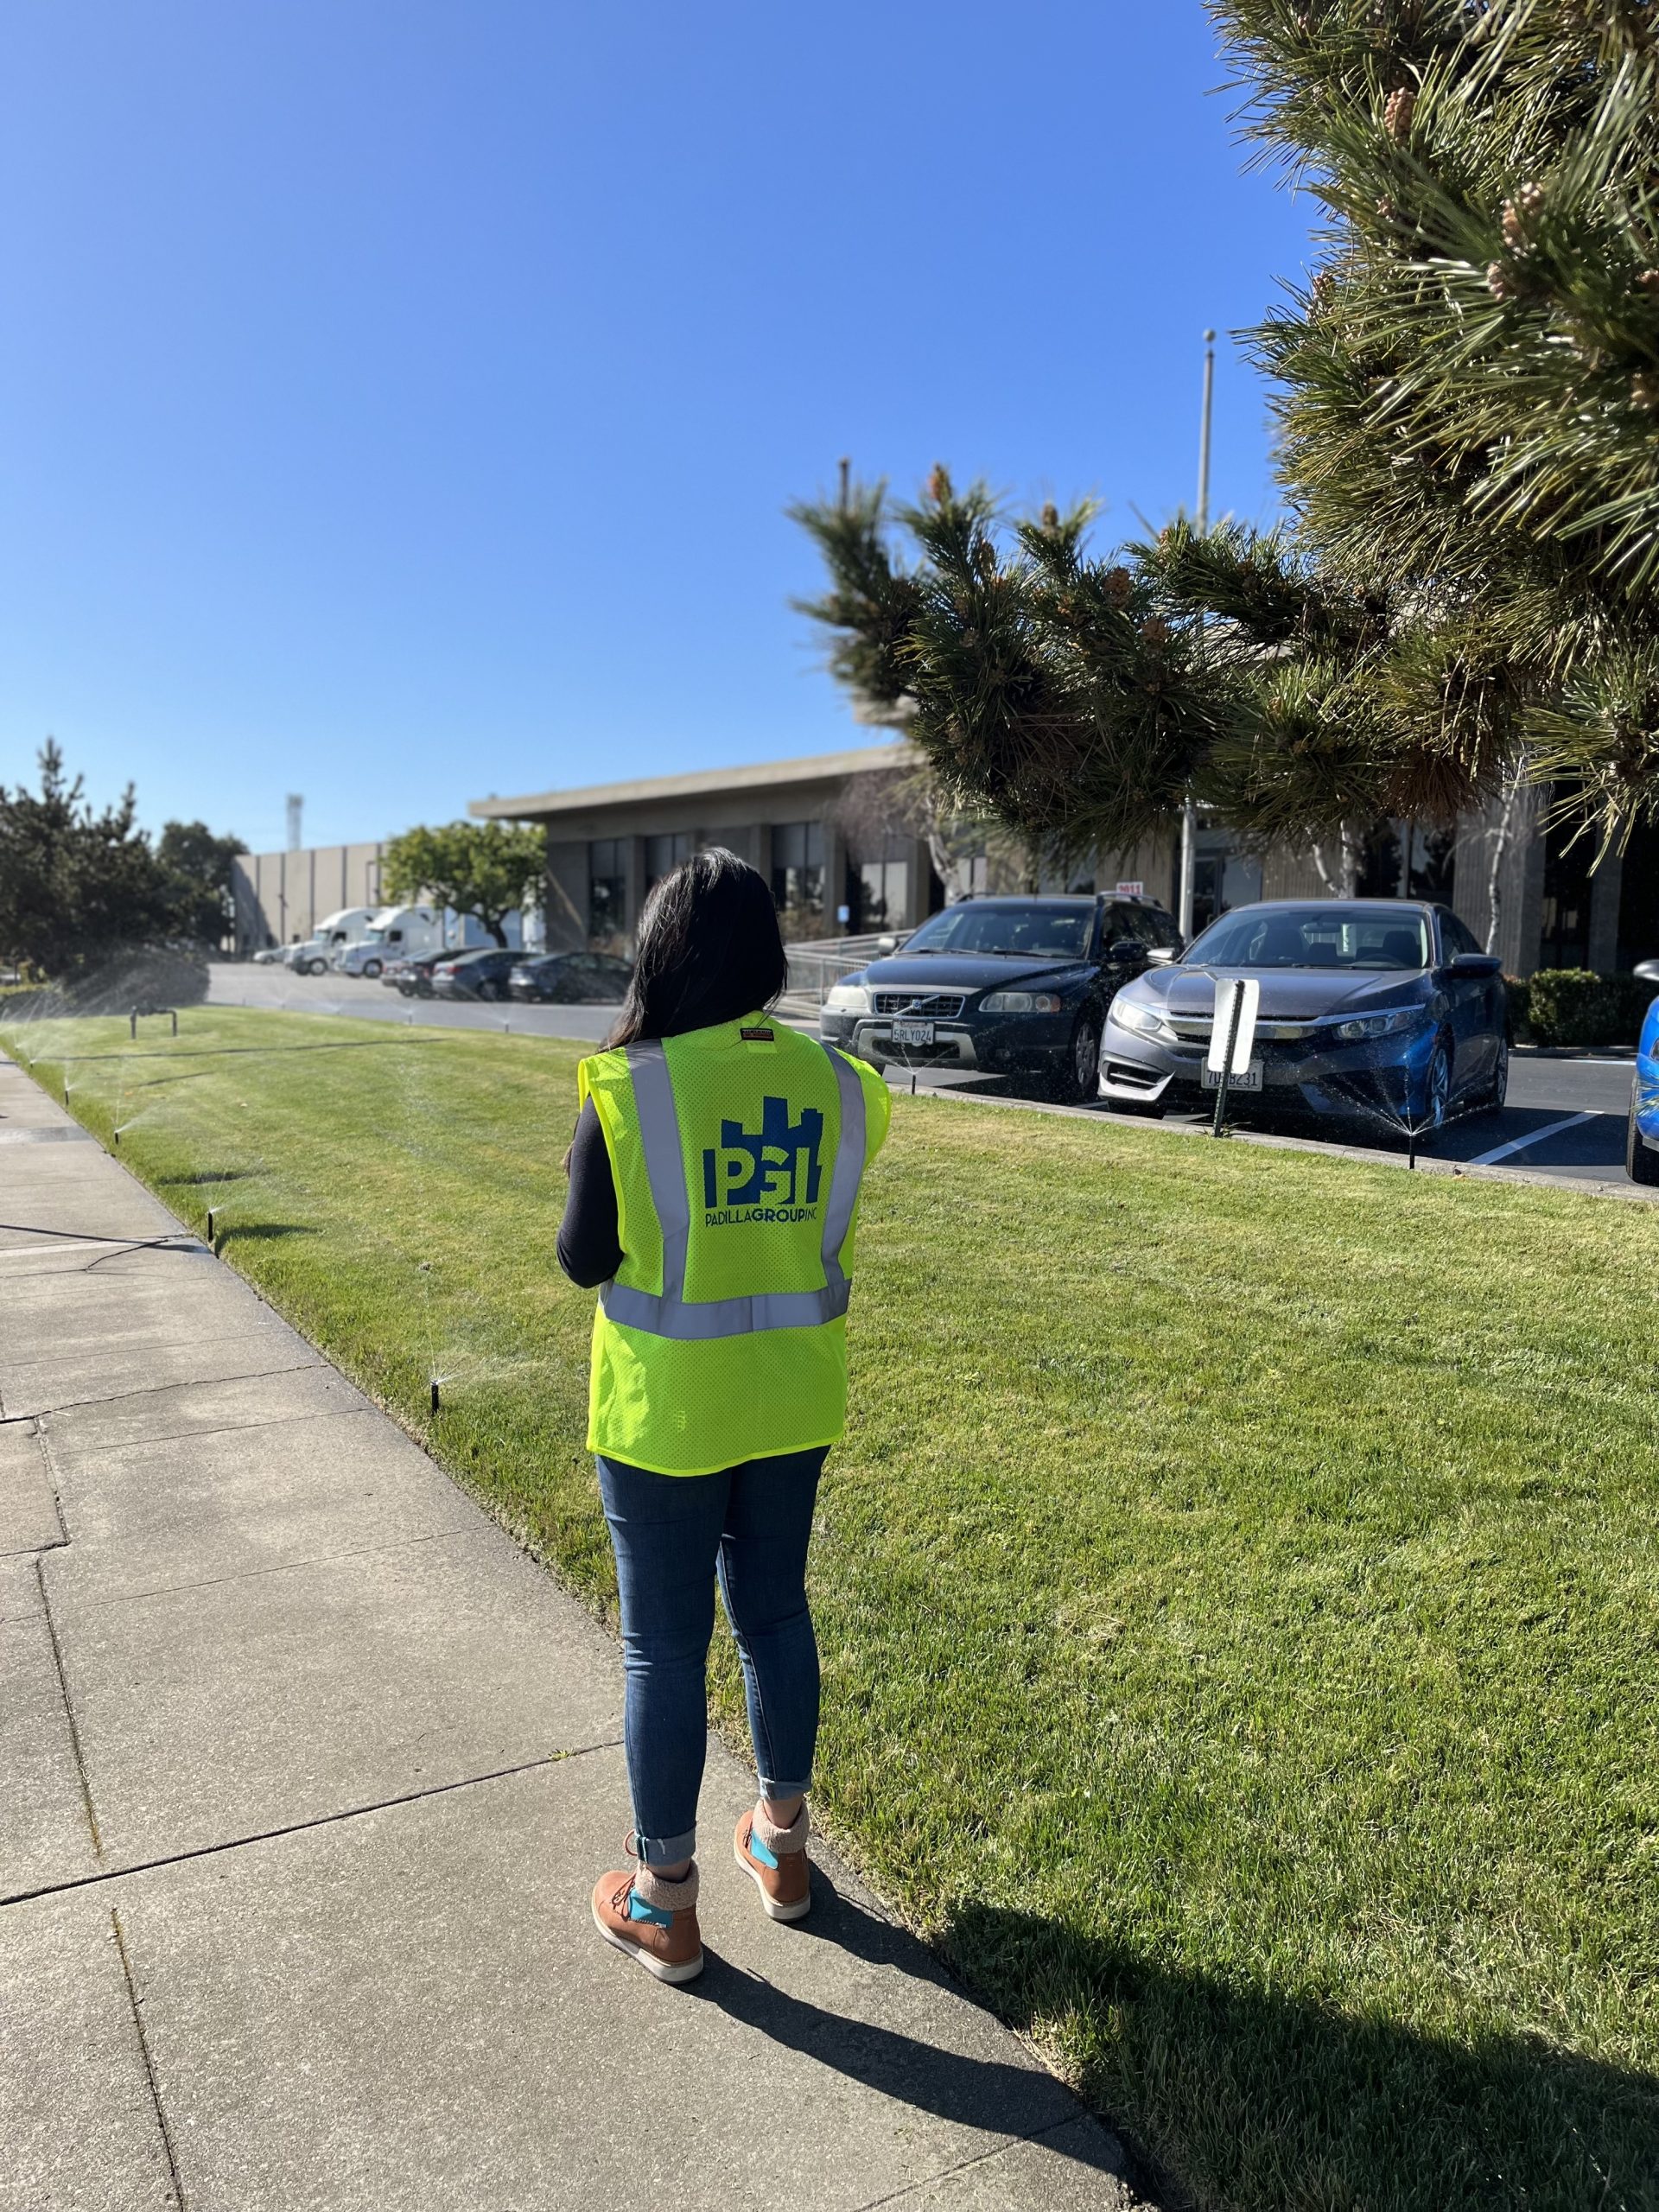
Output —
(1081, 699)
(1469, 385)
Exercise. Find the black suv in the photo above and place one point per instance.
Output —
(1010, 986)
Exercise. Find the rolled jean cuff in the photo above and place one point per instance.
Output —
(777, 1790)
(665, 1851)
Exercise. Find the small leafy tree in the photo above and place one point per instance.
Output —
(483, 868)
(200, 865)
(77, 886)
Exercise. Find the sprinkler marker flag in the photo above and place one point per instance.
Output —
(1238, 998)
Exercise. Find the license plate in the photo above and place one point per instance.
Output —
(1250, 1080)
(912, 1032)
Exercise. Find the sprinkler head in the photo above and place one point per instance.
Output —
(435, 1394)
(213, 1241)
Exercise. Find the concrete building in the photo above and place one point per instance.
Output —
(609, 843)
(281, 897)
(834, 870)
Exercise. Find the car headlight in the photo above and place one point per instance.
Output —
(1129, 1014)
(1377, 1025)
(1021, 1002)
(847, 998)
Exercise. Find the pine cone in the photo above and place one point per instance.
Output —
(1644, 390)
(1154, 629)
(1517, 216)
(985, 558)
(1501, 280)
(1649, 280)
(938, 484)
(1119, 584)
(1051, 516)
(1325, 289)
(1397, 114)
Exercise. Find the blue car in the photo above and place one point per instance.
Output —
(1642, 1140)
(1382, 1009)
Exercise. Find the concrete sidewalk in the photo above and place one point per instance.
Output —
(308, 1771)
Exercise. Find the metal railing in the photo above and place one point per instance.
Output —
(816, 966)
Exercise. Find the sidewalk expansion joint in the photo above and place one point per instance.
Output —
(135, 2003)
(304, 1828)
(69, 1711)
(150, 1390)
(996, 2151)
(233, 1427)
(465, 1528)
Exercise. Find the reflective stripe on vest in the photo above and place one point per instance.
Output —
(698, 1320)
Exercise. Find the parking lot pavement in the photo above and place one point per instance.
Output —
(277, 990)
(1565, 1115)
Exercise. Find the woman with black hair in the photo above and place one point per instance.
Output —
(713, 1194)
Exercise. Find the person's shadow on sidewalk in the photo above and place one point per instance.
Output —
(993, 2095)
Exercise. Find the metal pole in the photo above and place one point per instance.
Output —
(1189, 812)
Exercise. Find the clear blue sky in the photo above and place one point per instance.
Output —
(399, 403)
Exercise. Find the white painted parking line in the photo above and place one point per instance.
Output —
(1525, 1144)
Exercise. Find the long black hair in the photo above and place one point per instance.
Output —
(709, 950)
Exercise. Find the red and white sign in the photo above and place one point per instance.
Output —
(1136, 890)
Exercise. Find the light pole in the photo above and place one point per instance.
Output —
(1189, 812)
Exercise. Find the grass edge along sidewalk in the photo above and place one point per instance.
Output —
(1237, 1592)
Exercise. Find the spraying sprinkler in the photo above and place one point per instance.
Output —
(435, 1394)
(213, 1234)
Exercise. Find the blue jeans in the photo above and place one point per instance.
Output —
(674, 1534)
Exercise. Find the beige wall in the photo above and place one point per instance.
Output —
(283, 896)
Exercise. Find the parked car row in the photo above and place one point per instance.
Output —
(1370, 1008)
(534, 979)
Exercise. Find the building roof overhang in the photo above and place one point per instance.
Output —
(700, 782)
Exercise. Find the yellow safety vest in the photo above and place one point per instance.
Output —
(737, 1153)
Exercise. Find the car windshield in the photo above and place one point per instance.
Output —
(1029, 931)
(1312, 936)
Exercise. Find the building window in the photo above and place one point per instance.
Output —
(878, 891)
(607, 889)
(797, 877)
(664, 854)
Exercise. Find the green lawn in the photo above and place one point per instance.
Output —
(1236, 1591)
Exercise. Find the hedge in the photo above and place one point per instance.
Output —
(1574, 1007)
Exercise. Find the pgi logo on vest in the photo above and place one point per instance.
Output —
(772, 1177)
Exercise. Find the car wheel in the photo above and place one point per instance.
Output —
(1640, 1163)
(371, 969)
(1437, 1088)
(1080, 1082)
(1498, 1089)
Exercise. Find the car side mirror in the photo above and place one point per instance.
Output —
(886, 945)
(1475, 964)
(1160, 956)
(1646, 971)
(1125, 949)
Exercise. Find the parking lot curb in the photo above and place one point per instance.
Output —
(1364, 1155)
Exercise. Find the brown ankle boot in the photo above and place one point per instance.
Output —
(653, 1920)
(775, 1861)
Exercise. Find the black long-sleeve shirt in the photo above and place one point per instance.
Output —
(590, 1249)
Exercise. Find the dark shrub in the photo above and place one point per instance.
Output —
(1573, 1007)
